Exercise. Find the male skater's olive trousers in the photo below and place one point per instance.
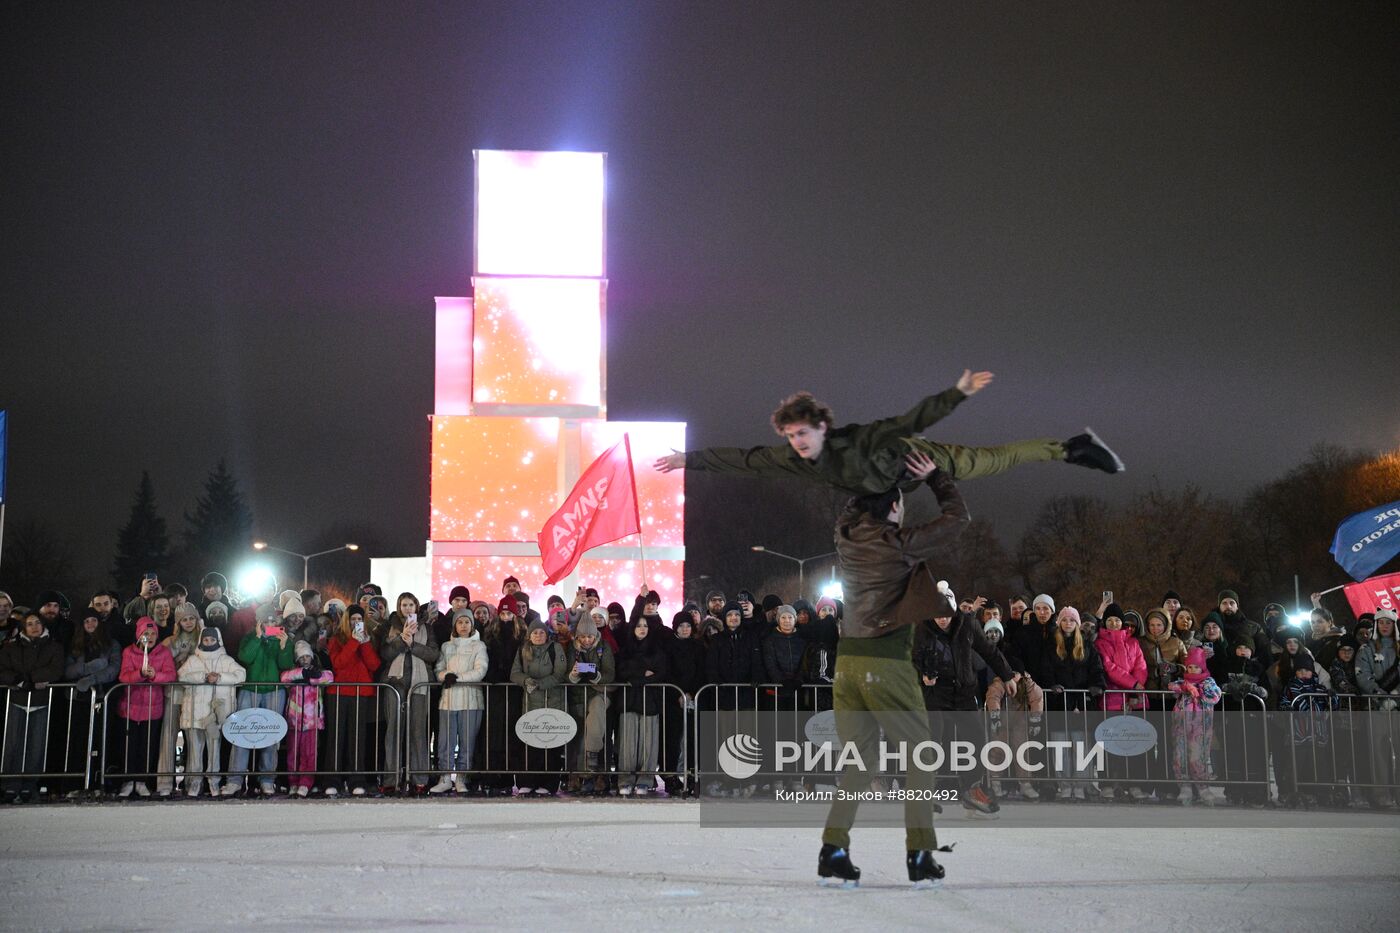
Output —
(971, 462)
(871, 694)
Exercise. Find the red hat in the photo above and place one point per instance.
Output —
(508, 580)
(508, 604)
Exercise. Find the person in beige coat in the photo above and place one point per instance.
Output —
(206, 707)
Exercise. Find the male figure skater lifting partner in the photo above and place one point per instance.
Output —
(889, 589)
(865, 459)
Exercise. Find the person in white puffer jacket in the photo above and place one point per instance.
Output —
(205, 708)
(461, 709)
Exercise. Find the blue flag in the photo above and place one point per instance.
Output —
(1366, 540)
(4, 439)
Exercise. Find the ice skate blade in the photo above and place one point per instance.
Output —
(1117, 461)
(838, 883)
(927, 884)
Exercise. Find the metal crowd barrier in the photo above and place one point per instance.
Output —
(46, 735)
(167, 756)
(614, 748)
(743, 708)
(1343, 749)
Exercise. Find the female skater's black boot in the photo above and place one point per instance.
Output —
(835, 862)
(923, 870)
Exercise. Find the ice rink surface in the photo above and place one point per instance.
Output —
(648, 865)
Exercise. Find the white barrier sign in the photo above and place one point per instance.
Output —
(545, 728)
(255, 728)
(1126, 736)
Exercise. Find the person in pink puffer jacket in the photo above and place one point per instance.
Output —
(145, 665)
(1124, 668)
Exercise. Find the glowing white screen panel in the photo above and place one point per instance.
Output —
(539, 213)
(538, 342)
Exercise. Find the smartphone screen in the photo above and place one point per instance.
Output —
(275, 630)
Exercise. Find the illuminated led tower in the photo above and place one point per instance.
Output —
(520, 401)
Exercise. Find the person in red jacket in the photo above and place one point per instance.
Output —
(1124, 668)
(351, 713)
(145, 666)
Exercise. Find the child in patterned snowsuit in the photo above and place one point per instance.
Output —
(1192, 719)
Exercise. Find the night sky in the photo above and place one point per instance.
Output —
(226, 224)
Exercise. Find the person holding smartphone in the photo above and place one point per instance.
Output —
(408, 652)
(592, 666)
(265, 653)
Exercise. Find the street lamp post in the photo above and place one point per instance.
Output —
(305, 558)
(801, 563)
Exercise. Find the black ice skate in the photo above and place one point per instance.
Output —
(923, 870)
(1087, 450)
(834, 867)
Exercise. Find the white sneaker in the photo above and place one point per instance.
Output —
(1136, 793)
(142, 790)
(459, 785)
(332, 791)
(1079, 793)
(640, 790)
(228, 790)
(442, 786)
(357, 792)
(269, 789)
(1065, 793)
(1028, 791)
(625, 790)
(543, 791)
(303, 791)
(126, 790)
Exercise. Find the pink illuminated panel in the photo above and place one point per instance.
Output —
(539, 213)
(616, 581)
(452, 374)
(493, 479)
(538, 342)
(661, 496)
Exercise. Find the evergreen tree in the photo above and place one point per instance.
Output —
(143, 546)
(220, 529)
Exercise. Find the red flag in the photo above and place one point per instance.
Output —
(601, 508)
(1375, 593)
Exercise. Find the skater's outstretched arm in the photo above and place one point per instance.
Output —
(922, 542)
(929, 411)
(751, 461)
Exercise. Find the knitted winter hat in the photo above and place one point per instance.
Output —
(508, 580)
(771, 601)
(537, 625)
(508, 604)
(216, 608)
(588, 625)
(682, 618)
(554, 600)
(1196, 657)
(993, 626)
(591, 593)
(146, 624)
(615, 609)
(1113, 609)
(463, 613)
(460, 590)
(1227, 594)
(335, 608)
(1382, 614)
(302, 650)
(826, 601)
(286, 596)
(714, 594)
(785, 609)
(1044, 599)
(1171, 594)
(1069, 612)
(735, 607)
(293, 607)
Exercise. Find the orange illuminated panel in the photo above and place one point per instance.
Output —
(493, 479)
(540, 213)
(538, 342)
(615, 580)
(661, 496)
(619, 580)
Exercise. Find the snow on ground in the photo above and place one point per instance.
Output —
(648, 865)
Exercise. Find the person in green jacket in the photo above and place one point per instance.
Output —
(265, 655)
(868, 459)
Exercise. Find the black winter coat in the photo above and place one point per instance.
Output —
(642, 694)
(1073, 675)
(782, 660)
(25, 662)
(1033, 645)
(939, 653)
(686, 661)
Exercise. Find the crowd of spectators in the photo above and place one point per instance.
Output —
(409, 698)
